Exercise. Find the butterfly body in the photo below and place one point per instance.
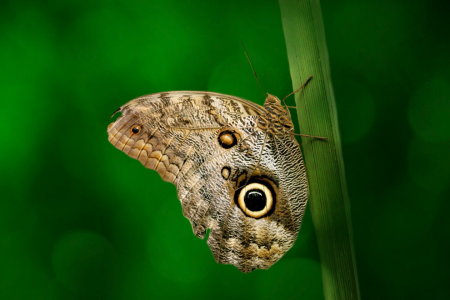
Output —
(237, 167)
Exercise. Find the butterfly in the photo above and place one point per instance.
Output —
(237, 167)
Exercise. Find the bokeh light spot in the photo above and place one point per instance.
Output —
(429, 165)
(429, 111)
(177, 255)
(357, 116)
(85, 261)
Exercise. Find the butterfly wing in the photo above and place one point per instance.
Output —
(211, 147)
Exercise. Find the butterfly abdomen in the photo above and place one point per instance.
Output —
(277, 119)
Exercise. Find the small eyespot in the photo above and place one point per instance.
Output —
(256, 200)
(228, 139)
(136, 129)
(226, 172)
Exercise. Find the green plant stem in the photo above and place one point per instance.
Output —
(329, 204)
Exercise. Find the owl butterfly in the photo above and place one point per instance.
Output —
(237, 167)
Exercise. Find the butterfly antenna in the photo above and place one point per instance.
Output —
(297, 90)
(247, 57)
(115, 112)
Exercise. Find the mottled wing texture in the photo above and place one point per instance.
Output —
(177, 134)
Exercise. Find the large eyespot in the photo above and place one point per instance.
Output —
(136, 129)
(228, 139)
(256, 199)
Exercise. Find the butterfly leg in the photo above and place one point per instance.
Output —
(322, 138)
(297, 90)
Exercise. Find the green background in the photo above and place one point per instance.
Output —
(79, 219)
